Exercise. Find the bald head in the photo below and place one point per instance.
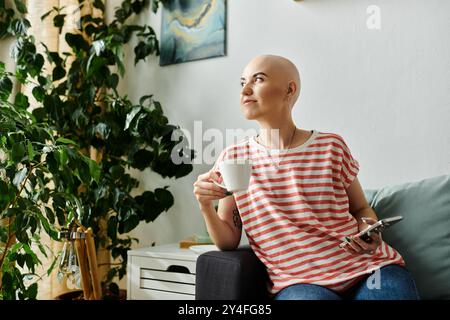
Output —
(283, 69)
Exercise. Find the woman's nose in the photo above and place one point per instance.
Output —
(246, 89)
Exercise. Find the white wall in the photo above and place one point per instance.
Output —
(385, 91)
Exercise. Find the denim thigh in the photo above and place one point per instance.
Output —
(391, 282)
(306, 292)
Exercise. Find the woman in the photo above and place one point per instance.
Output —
(304, 199)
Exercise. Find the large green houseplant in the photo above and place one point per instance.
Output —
(26, 170)
(80, 104)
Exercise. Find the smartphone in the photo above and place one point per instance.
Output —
(376, 227)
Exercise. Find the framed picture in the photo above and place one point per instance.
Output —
(192, 30)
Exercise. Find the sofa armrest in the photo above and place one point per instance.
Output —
(230, 275)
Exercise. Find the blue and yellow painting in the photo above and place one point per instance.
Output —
(192, 30)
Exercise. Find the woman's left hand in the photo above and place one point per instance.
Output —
(359, 246)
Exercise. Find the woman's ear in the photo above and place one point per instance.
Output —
(291, 88)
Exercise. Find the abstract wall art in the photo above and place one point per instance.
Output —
(192, 30)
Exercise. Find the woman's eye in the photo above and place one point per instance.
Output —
(256, 80)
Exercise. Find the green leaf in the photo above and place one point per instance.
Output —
(20, 26)
(58, 73)
(50, 215)
(63, 157)
(52, 266)
(58, 20)
(98, 47)
(7, 281)
(17, 49)
(20, 260)
(142, 159)
(66, 141)
(54, 58)
(45, 15)
(164, 197)
(21, 101)
(99, 5)
(3, 234)
(46, 223)
(116, 172)
(95, 171)
(130, 223)
(59, 201)
(76, 201)
(17, 152)
(32, 291)
(141, 51)
(30, 151)
(120, 66)
(12, 212)
(155, 4)
(60, 216)
(77, 42)
(112, 272)
(79, 117)
(94, 65)
(15, 248)
(20, 6)
(38, 93)
(5, 197)
(6, 86)
(36, 67)
(112, 227)
(22, 236)
(83, 173)
(33, 256)
(112, 81)
(131, 116)
(146, 97)
(33, 224)
(42, 80)
(102, 131)
(94, 168)
(29, 261)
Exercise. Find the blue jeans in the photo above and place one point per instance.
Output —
(395, 283)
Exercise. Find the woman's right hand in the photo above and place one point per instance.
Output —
(206, 191)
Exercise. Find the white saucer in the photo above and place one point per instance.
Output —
(203, 248)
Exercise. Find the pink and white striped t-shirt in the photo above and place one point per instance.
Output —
(296, 213)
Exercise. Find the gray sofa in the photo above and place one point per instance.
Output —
(422, 238)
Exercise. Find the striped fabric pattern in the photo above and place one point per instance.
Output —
(296, 213)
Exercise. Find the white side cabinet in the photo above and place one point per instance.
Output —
(161, 273)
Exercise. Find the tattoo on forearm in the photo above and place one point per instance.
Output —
(237, 219)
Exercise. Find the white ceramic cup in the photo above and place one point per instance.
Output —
(235, 174)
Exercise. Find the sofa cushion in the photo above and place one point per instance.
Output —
(423, 236)
(370, 194)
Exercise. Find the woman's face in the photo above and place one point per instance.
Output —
(264, 91)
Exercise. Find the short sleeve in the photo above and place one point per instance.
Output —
(349, 166)
(230, 153)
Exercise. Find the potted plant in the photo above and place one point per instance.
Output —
(86, 113)
(26, 191)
